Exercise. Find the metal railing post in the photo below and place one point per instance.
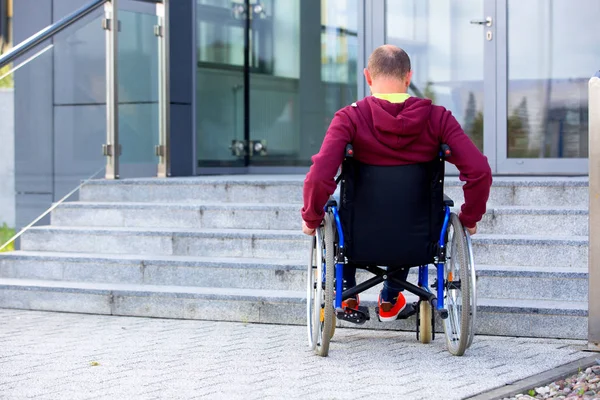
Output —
(164, 98)
(594, 215)
(111, 149)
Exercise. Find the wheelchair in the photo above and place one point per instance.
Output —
(390, 218)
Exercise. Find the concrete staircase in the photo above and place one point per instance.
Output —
(230, 248)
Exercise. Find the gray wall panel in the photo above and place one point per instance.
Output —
(31, 206)
(311, 96)
(183, 53)
(80, 133)
(182, 154)
(182, 87)
(79, 66)
(64, 7)
(33, 115)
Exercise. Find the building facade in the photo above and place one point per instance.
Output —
(254, 84)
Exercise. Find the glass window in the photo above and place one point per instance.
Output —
(339, 41)
(302, 61)
(446, 53)
(551, 56)
(220, 35)
(219, 82)
(314, 61)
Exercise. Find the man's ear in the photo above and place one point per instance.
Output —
(368, 77)
(408, 78)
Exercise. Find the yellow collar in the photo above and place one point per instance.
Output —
(392, 97)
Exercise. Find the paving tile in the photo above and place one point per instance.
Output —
(50, 355)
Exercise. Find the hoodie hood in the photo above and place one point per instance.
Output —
(396, 125)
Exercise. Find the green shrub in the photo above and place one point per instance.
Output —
(5, 234)
(8, 81)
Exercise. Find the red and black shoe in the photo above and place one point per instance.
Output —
(389, 311)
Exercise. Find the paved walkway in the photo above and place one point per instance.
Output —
(71, 356)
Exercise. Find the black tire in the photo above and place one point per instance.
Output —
(311, 288)
(457, 300)
(473, 288)
(326, 314)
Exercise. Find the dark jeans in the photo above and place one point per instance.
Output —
(388, 293)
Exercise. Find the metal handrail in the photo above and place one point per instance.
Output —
(49, 31)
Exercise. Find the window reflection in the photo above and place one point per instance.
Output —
(548, 75)
(302, 67)
(339, 41)
(446, 54)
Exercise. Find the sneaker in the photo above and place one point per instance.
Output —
(390, 311)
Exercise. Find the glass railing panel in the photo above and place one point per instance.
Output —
(52, 123)
(7, 155)
(79, 108)
(138, 69)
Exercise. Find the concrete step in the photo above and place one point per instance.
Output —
(273, 189)
(530, 191)
(166, 215)
(555, 221)
(517, 250)
(494, 316)
(282, 244)
(542, 283)
(269, 189)
(545, 221)
(531, 283)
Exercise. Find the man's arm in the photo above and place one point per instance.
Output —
(473, 167)
(319, 184)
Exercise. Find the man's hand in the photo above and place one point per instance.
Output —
(306, 230)
(472, 230)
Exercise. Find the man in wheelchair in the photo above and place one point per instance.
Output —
(386, 129)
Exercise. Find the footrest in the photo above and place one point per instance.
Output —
(408, 311)
(359, 316)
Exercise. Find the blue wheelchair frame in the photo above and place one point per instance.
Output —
(423, 281)
(422, 290)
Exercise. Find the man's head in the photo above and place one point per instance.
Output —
(388, 70)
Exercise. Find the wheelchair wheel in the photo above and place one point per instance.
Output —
(311, 287)
(323, 317)
(457, 289)
(473, 288)
(425, 326)
(333, 323)
(314, 291)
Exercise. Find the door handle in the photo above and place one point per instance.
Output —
(486, 22)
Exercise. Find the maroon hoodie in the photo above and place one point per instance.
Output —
(385, 133)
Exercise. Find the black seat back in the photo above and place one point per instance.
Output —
(392, 215)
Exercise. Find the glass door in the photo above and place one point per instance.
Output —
(220, 85)
(270, 76)
(546, 57)
(451, 44)
(304, 68)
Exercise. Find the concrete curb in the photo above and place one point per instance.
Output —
(538, 380)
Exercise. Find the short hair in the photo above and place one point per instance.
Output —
(389, 61)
